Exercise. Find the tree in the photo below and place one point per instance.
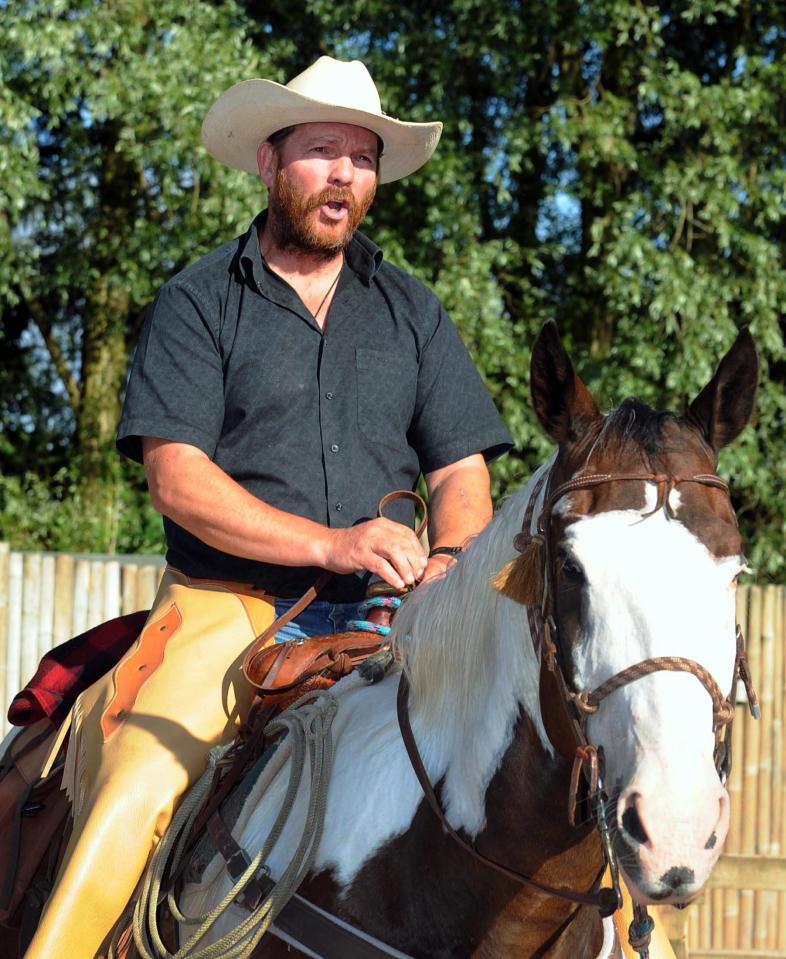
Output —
(104, 195)
(616, 165)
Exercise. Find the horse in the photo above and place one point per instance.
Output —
(638, 549)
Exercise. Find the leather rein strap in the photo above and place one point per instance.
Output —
(255, 649)
(600, 899)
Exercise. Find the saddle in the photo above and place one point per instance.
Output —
(33, 827)
(34, 811)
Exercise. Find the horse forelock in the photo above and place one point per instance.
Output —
(635, 438)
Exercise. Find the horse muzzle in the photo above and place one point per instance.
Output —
(667, 851)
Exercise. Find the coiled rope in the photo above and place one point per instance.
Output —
(307, 726)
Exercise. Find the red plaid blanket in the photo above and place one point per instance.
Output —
(70, 668)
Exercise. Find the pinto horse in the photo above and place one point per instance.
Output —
(640, 564)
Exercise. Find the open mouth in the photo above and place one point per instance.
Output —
(335, 209)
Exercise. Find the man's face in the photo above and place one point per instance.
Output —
(322, 180)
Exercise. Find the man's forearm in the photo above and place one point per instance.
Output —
(459, 505)
(198, 495)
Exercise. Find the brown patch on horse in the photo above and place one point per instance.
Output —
(634, 438)
(424, 895)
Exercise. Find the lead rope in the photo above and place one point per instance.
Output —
(307, 726)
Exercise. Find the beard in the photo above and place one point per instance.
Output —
(292, 222)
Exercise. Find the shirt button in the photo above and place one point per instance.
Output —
(339, 507)
(334, 448)
(328, 395)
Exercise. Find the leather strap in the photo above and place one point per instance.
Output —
(304, 925)
(605, 899)
(300, 922)
(264, 638)
(406, 494)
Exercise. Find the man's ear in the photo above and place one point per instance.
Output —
(266, 162)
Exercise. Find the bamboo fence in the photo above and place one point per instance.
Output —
(742, 913)
(46, 598)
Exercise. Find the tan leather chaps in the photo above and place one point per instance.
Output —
(139, 738)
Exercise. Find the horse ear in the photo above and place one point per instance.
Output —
(722, 409)
(561, 401)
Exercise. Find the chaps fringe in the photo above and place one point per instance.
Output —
(76, 761)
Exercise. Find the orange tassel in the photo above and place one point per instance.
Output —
(521, 579)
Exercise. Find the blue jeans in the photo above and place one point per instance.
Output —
(320, 618)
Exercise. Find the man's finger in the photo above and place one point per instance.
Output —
(383, 568)
(405, 564)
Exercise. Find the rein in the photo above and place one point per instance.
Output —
(604, 899)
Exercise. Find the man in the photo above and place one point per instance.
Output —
(282, 385)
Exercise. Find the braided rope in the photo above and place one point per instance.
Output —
(588, 701)
(307, 727)
(364, 625)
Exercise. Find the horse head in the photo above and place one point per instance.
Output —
(639, 555)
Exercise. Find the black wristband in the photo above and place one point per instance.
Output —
(446, 551)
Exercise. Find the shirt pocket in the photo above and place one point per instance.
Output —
(386, 392)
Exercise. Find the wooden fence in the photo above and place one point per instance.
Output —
(47, 598)
(743, 912)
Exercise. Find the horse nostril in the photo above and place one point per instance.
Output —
(678, 876)
(632, 824)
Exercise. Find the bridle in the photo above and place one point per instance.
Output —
(580, 704)
(569, 737)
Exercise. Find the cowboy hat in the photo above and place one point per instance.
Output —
(329, 91)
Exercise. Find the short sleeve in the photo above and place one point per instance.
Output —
(454, 413)
(175, 388)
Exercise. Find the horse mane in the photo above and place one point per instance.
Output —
(469, 658)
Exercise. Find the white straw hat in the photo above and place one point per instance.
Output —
(328, 91)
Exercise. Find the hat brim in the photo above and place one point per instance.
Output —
(249, 112)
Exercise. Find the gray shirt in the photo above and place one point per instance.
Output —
(317, 423)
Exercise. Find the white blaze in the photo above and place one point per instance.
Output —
(653, 589)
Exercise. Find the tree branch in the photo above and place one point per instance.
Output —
(44, 324)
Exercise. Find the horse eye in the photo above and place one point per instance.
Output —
(571, 569)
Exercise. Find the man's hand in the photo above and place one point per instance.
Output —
(382, 546)
(437, 566)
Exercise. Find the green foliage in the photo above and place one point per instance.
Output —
(55, 514)
(615, 165)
